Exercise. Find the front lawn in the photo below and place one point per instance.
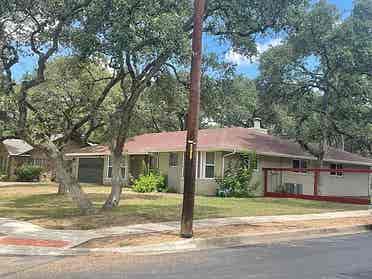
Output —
(40, 205)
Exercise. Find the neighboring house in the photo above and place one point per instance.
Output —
(217, 149)
(13, 153)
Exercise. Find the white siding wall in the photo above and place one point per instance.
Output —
(350, 184)
(306, 179)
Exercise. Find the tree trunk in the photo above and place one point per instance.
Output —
(120, 126)
(22, 120)
(62, 189)
(64, 172)
(117, 180)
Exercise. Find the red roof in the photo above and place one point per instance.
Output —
(223, 139)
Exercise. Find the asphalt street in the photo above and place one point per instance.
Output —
(326, 258)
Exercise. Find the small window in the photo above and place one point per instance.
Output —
(109, 168)
(252, 164)
(209, 164)
(154, 162)
(336, 170)
(173, 159)
(299, 164)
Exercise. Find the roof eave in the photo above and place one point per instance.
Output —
(349, 162)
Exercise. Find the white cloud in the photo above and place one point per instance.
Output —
(241, 60)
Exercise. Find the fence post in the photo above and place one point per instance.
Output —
(265, 181)
(316, 182)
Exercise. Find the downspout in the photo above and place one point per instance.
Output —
(223, 161)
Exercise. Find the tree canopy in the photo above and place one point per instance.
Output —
(319, 76)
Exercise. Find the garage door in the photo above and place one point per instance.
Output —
(91, 170)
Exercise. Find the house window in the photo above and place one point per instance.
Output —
(173, 159)
(252, 164)
(299, 164)
(206, 164)
(109, 167)
(154, 162)
(209, 164)
(336, 170)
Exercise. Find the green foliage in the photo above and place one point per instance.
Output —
(321, 75)
(237, 180)
(74, 86)
(152, 182)
(3, 176)
(28, 173)
(230, 101)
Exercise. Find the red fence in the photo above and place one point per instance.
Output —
(335, 185)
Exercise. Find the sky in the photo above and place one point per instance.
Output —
(249, 67)
(245, 66)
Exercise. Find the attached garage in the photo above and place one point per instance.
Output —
(91, 170)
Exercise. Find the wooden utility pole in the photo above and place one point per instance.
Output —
(192, 123)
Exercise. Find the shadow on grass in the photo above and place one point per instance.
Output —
(55, 211)
(58, 212)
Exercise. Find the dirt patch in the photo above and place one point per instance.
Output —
(247, 229)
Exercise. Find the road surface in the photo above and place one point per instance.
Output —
(326, 258)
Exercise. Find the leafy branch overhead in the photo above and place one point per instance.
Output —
(319, 74)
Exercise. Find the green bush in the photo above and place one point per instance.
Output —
(28, 173)
(151, 182)
(3, 176)
(237, 180)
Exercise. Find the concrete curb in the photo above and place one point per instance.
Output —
(234, 241)
(189, 245)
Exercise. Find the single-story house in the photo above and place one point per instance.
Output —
(217, 148)
(13, 153)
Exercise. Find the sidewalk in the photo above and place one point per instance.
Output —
(24, 238)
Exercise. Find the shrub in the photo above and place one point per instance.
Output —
(3, 176)
(151, 182)
(237, 180)
(28, 173)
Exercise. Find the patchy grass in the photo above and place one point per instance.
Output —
(41, 205)
(264, 229)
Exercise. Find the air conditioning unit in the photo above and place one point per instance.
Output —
(294, 188)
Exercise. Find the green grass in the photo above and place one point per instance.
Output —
(41, 205)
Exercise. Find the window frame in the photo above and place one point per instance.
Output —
(201, 165)
(123, 165)
(302, 164)
(257, 164)
(209, 165)
(175, 154)
(154, 161)
(336, 172)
